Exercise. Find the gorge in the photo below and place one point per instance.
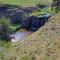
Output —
(18, 15)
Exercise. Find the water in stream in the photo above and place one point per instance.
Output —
(19, 35)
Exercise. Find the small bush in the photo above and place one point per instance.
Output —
(4, 29)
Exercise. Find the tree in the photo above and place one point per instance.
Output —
(4, 29)
(56, 5)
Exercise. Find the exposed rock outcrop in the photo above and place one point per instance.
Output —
(35, 22)
(19, 15)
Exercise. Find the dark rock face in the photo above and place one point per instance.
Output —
(2, 8)
(26, 22)
(12, 12)
(17, 16)
(30, 9)
(35, 22)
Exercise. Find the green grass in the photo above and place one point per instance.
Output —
(4, 47)
(6, 50)
(49, 57)
(42, 11)
(13, 27)
(26, 57)
(25, 2)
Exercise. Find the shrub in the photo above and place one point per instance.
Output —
(4, 29)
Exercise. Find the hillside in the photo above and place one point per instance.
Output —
(44, 44)
(25, 2)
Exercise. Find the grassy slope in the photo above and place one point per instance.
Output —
(25, 2)
(42, 45)
(43, 11)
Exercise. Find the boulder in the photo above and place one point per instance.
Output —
(17, 16)
(26, 22)
(3, 8)
(38, 21)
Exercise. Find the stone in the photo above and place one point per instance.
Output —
(26, 23)
(17, 16)
(38, 21)
(2, 8)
